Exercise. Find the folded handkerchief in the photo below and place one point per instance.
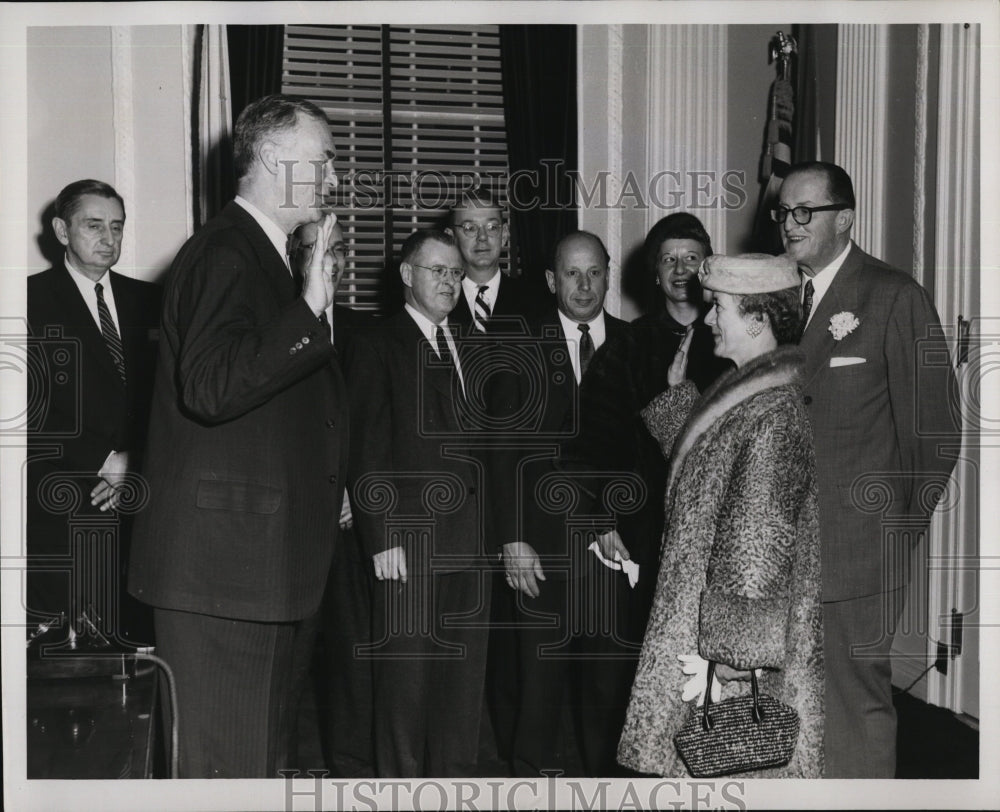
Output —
(630, 568)
(846, 362)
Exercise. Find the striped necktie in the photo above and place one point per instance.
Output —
(110, 333)
(482, 309)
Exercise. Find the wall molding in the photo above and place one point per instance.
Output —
(686, 125)
(954, 534)
(861, 134)
(920, 151)
(124, 124)
(189, 39)
(616, 138)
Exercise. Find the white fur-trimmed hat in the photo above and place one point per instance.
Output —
(748, 273)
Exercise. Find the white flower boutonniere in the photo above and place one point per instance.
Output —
(843, 324)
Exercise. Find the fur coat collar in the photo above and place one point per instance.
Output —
(781, 367)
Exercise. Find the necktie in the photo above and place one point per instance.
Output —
(482, 309)
(586, 348)
(807, 302)
(110, 333)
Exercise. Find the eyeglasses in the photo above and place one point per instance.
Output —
(803, 214)
(339, 250)
(470, 229)
(440, 272)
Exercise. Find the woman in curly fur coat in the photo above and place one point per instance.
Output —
(739, 579)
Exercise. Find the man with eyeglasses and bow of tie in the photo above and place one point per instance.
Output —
(416, 503)
(882, 400)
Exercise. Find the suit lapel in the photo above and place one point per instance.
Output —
(271, 263)
(461, 317)
(817, 341)
(132, 334)
(562, 380)
(81, 322)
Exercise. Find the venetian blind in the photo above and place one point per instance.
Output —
(416, 113)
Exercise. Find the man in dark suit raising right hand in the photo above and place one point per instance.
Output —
(247, 449)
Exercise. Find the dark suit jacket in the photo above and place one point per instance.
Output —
(407, 488)
(247, 445)
(877, 422)
(79, 408)
(540, 402)
(345, 321)
(509, 310)
(625, 375)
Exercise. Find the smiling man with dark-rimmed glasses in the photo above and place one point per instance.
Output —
(866, 326)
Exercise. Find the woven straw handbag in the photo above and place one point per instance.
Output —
(737, 735)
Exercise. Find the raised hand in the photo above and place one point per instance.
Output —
(677, 372)
(318, 280)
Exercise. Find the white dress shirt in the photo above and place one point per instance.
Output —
(86, 286)
(822, 281)
(470, 290)
(571, 331)
(429, 329)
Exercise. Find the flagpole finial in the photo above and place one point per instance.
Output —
(782, 47)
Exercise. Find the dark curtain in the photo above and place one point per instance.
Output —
(806, 128)
(539, 88)
(255, 60)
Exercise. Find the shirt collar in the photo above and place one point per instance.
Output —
(471, 288)
(80, 277)
(274, 232)
(824, 278)
(427, 327)
(571, 329)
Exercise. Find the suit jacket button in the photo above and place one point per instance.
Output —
(332, 479)
(291, 350)
(807, 400)
(305, 339)
(330, 423)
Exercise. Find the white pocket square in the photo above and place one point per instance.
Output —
(846, 362)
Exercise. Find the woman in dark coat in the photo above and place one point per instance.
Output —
(739, 573)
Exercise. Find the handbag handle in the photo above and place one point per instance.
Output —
(707, 722)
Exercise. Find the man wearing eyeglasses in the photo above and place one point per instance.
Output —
(491, 301)
(879, 412)
(344, 692)
(416, 507)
